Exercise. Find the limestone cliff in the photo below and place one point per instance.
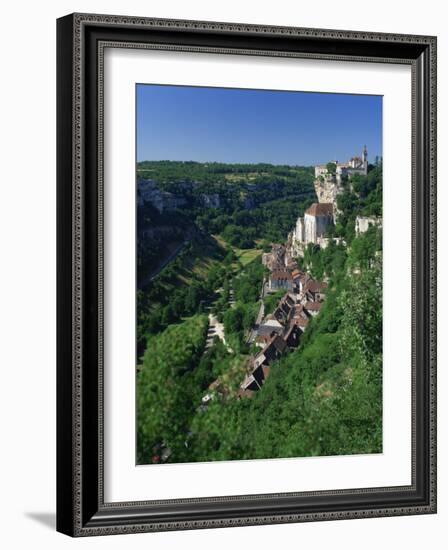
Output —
(327, 189)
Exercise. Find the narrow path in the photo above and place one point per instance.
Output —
(232, 301)
(215, 328)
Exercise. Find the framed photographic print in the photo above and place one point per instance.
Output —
(246, 274)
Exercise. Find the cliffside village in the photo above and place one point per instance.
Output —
(313, 226)
(303, 298)
(282, 329)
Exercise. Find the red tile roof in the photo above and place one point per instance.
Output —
(297, 311)
(313, 306)
(320, 209)
(281, 275)
(279, 343)
(297, 274)
(315, 286)
(300, 321)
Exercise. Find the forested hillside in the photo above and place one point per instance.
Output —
(257, 204)
(170, 382)
(244, 202)
(323, 398)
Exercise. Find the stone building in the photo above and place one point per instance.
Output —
(356, 165)
(317, 219)
(280, 279)
(276, 259)
(329, 185)
(312, 227)
(363, 223)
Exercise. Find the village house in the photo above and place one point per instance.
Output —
(300, 282)
(292, 335)
(274, 349)
(283, 329)
(267, 331)
(314, 291)
(299, 318)
(275, 260)
(270, 324)
(280, 279)
(262, 340)
(298, 311)
(312, 308)
(281, 313)
(262, 361)
(300, 322)
(290, 263)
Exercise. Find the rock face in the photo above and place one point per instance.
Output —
(211, 200)
(327, 189)
(148, 191)
(328, 183)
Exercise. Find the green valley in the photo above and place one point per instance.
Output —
(256, 337)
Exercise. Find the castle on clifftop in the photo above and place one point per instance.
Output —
(328, 183)
(330, 177)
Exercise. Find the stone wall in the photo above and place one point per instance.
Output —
(300, 230)
(310, 229)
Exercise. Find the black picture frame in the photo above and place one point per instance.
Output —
(81, 510)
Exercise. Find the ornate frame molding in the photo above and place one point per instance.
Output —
(81, 40)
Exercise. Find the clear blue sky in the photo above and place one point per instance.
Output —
(249, 126)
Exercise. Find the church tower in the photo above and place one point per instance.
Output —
(364, 159)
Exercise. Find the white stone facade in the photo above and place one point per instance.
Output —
(363, 223)
(356, 165)
(315, 227)
(311, 228)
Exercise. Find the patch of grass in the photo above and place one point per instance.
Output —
(205, 255)
(247, 256)
(242, 178)
(244, 255)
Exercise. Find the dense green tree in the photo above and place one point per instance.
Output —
(233, 320)
(331, 167)
(167, 393)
